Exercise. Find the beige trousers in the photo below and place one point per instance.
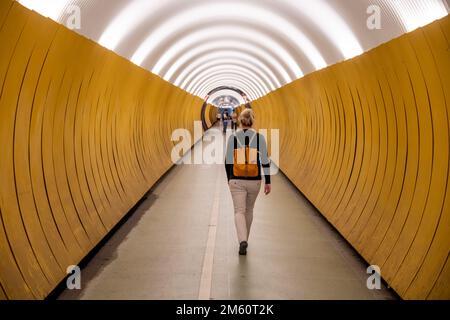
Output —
(244, 194)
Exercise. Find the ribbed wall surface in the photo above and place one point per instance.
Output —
(84, 134)
(210, 115)
(367, 141)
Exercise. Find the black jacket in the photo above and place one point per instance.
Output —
(248, 137)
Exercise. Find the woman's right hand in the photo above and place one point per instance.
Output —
(267, 189)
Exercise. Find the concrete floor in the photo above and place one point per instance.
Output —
(181, 244)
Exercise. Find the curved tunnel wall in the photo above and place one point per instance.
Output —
(209, 115)
(84, 135)
(212, 115)
(367, 142)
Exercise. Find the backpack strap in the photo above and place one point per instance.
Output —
(257, 140)
(236, 141)
(257, 147)
(249, 142)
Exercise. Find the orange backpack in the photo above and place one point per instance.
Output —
(245, 162)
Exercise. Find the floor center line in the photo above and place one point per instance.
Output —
(208, 260)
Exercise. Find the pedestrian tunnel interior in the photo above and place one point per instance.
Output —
(90, 94)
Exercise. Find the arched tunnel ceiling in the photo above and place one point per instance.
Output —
(225, 101)
(255, 45)
(235, 98)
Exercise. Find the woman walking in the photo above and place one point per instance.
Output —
(246, 161)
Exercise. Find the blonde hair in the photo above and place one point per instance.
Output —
(247, 118)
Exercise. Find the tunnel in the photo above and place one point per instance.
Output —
(353, 98)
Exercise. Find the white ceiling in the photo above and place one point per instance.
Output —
(254, 45)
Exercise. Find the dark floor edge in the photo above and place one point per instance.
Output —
(59, 289)
(337, 231)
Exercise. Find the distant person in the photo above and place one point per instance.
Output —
(225, 122)
(246, 157)
(234, 121)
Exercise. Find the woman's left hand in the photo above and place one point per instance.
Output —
(267, 189)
